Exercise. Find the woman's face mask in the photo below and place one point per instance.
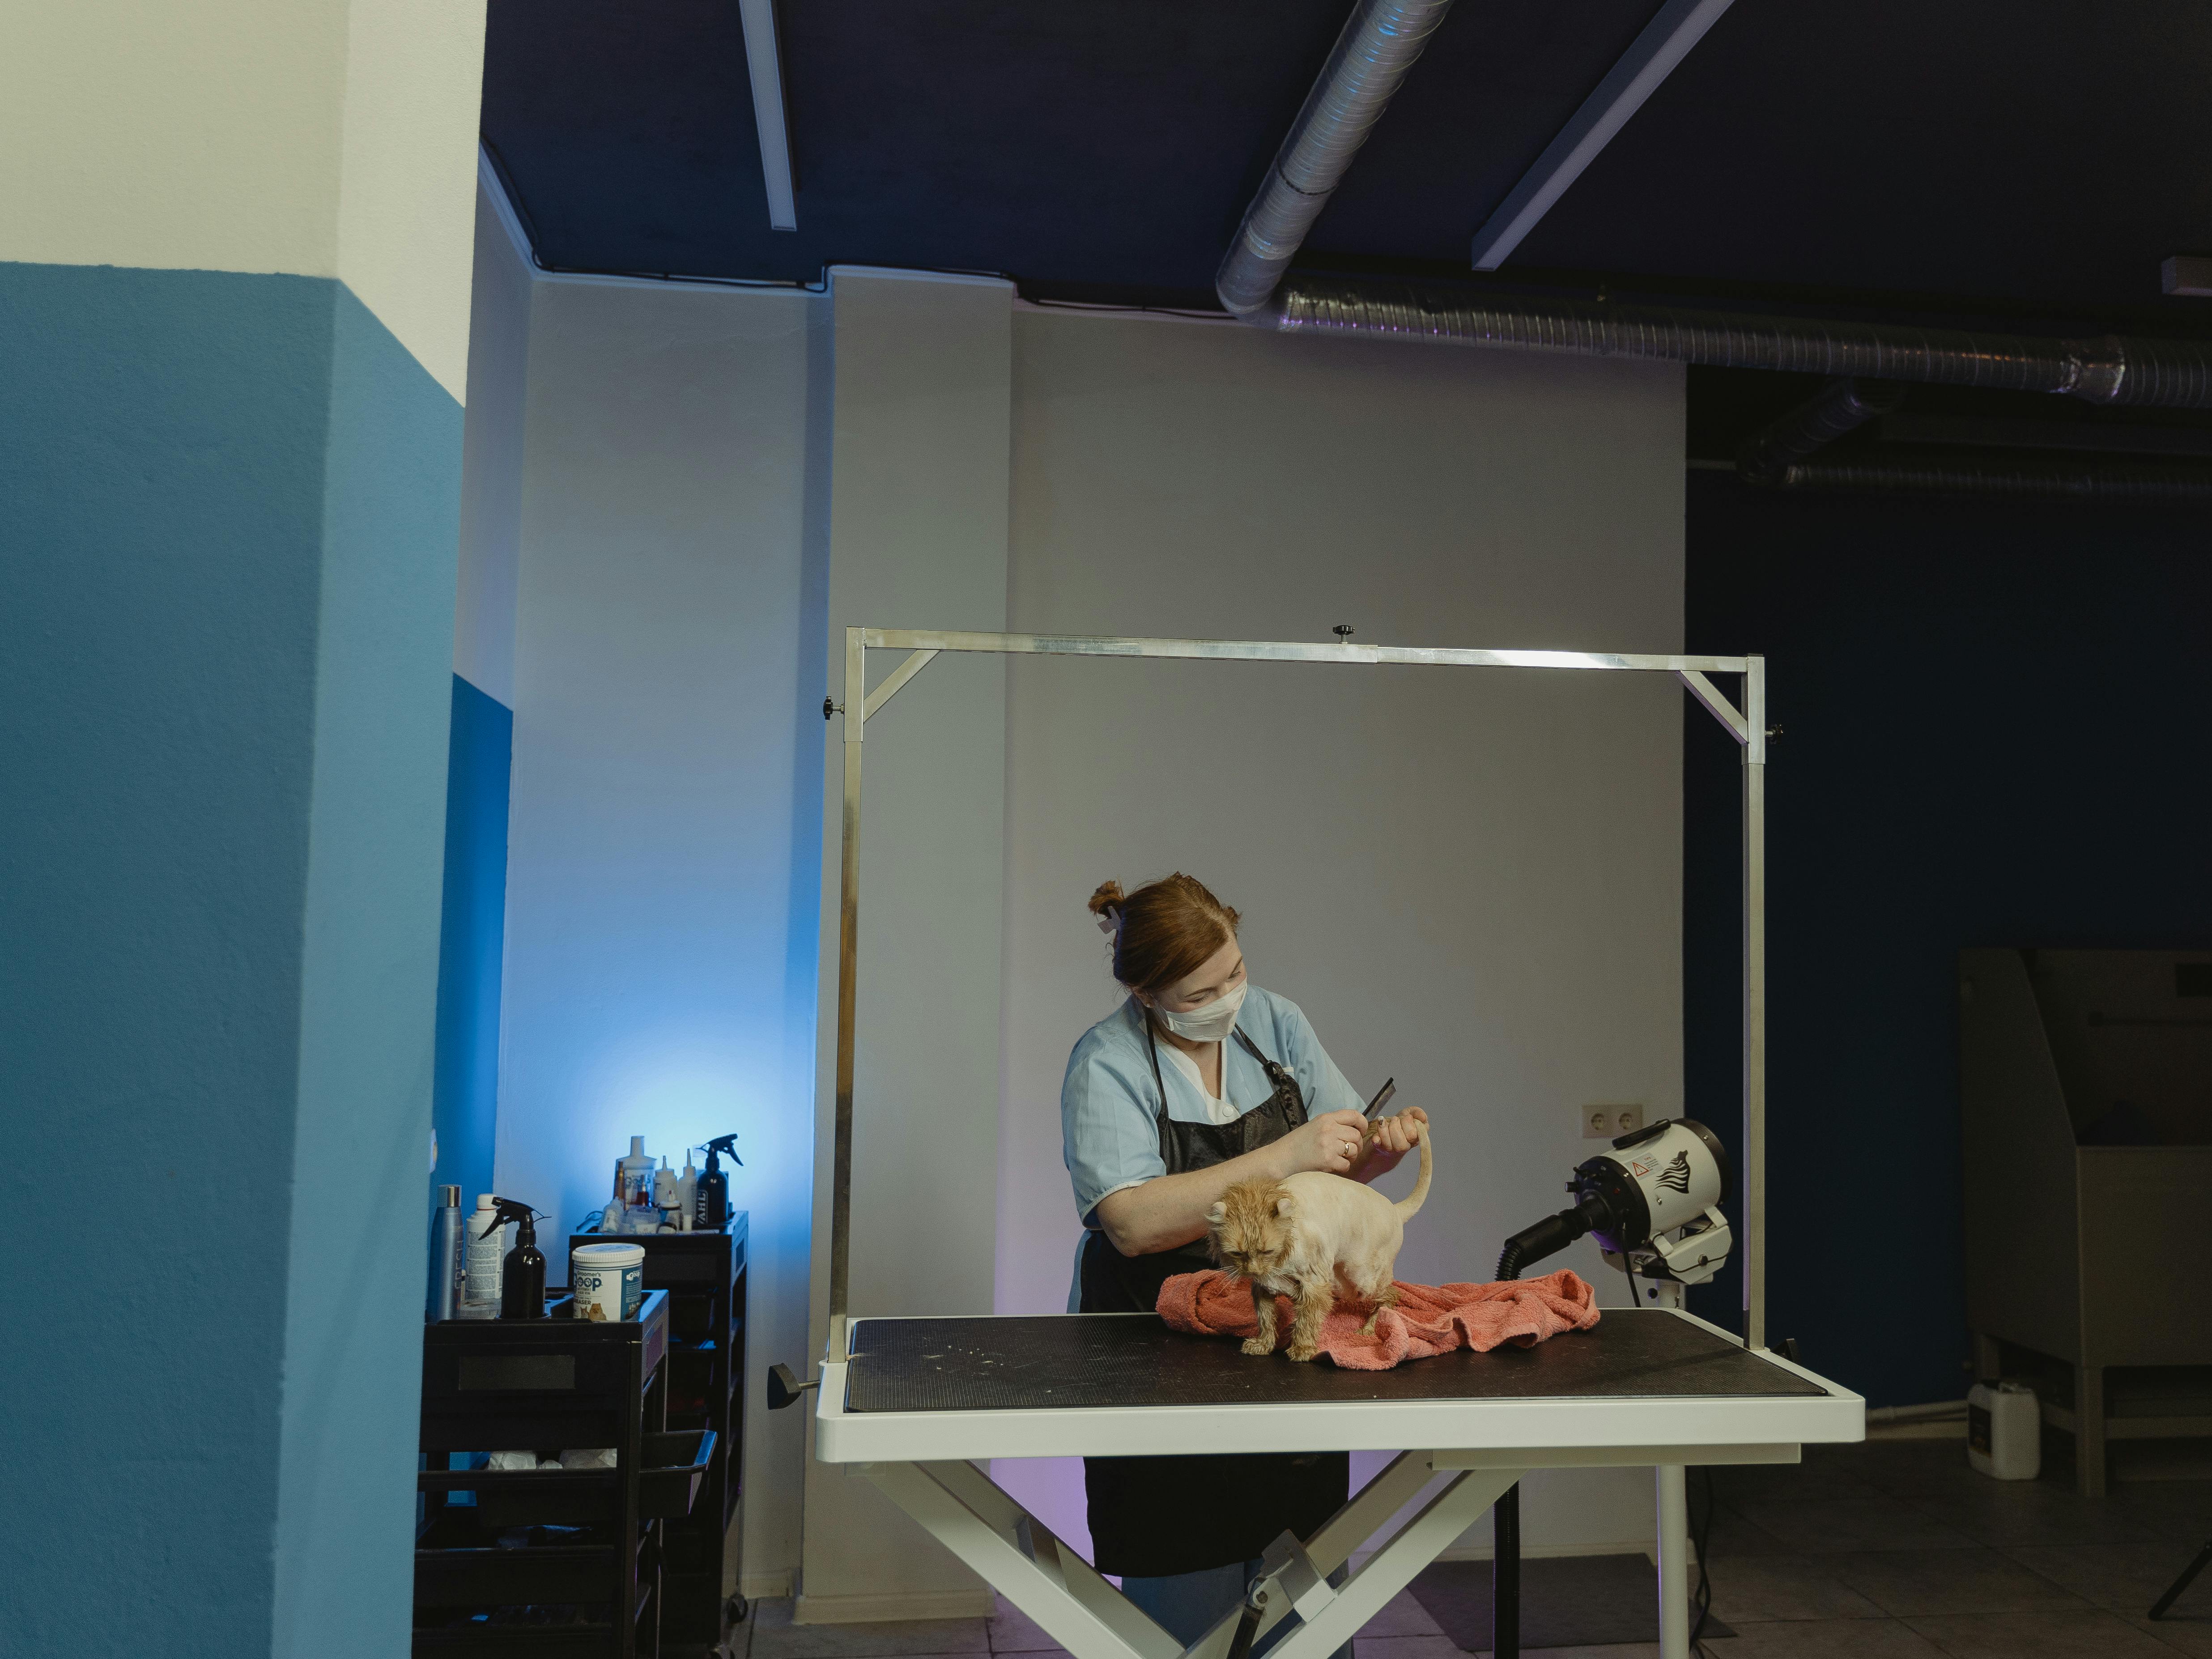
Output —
(1210, 1022)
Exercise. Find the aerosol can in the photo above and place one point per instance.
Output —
(711, 1200)
(446, 1255)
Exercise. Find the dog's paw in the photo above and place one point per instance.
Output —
(1302, 1351)
(1258, 1345)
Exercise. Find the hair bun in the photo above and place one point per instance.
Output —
(1164, 931)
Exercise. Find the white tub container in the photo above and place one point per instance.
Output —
(2005, 1430)
(608, 1279)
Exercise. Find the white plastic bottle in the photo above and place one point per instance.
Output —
(2005, 1430)
(634, 1189)
(634, 1177)
(663, 1186)
(487, 1257)
(687, 1192)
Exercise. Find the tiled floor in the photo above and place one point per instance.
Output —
(1894, 1550)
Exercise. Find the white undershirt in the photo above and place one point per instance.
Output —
(1219, 1109)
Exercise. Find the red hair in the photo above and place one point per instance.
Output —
(1164, 930)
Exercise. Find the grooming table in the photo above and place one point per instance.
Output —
(918, 1403)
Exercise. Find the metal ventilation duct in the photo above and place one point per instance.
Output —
(2113, 370)
(2036, 479)
(1841, 406)
(1381, 40)
(1785, 455)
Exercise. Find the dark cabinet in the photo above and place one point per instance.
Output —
(568, 1555)
(702, 1275)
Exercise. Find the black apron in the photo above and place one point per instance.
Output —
(1153, 1517)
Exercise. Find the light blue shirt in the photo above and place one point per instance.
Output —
(1108, 1103)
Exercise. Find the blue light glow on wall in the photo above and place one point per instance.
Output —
(471, 942)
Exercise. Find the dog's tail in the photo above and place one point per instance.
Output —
(1410, 1206)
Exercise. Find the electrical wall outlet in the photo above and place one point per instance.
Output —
(1611, 1122)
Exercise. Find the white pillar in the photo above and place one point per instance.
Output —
(920, 450)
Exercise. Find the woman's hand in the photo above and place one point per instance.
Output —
(1389, 1139)
(1329, 1143)
(1169, 1210)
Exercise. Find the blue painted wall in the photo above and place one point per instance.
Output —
(471, 939)
(224, 664)
(1994, 723)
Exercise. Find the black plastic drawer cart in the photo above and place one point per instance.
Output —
(561, 1561)
(703, 1275)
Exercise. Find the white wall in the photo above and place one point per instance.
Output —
(333, 140)
(918, 539)
(1470, 879)
(662, 880)
(491, 445)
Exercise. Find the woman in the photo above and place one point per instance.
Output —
(1200, 1080)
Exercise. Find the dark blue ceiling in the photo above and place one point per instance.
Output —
(2035, 153)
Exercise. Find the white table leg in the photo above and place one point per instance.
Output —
(1674, 1561)
(1337, 1618)
(1014, 1554)
(973, 1517)
(1331, 1547)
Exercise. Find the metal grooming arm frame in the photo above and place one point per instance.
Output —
(1747, 725)
(958, 1504)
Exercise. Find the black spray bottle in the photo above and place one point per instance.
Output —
(522, 1276)
(710, 1207)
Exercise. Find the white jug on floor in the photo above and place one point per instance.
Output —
(2005, 1430)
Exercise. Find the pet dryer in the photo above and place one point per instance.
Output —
(1652, 1203)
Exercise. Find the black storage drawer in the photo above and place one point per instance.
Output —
(691, 1315)
(516, 1428)
(552, 1373)
(546, 1365)
(671, 1468)
(516, 1641)
(675, 1464)
(670, 1266)
(694, 1377)
(691, 1604)
(554, 1574)
(573, 1497)
(692, 1550)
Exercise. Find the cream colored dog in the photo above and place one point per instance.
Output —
(1299, 1236)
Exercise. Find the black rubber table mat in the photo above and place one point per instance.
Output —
(1073, 1361)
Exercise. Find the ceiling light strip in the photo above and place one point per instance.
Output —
(765, 69)
(1665, 40)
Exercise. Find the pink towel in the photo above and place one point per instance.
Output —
(1429, 1319)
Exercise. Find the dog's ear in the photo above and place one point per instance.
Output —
(1217, 1214)
(1284, 1205)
